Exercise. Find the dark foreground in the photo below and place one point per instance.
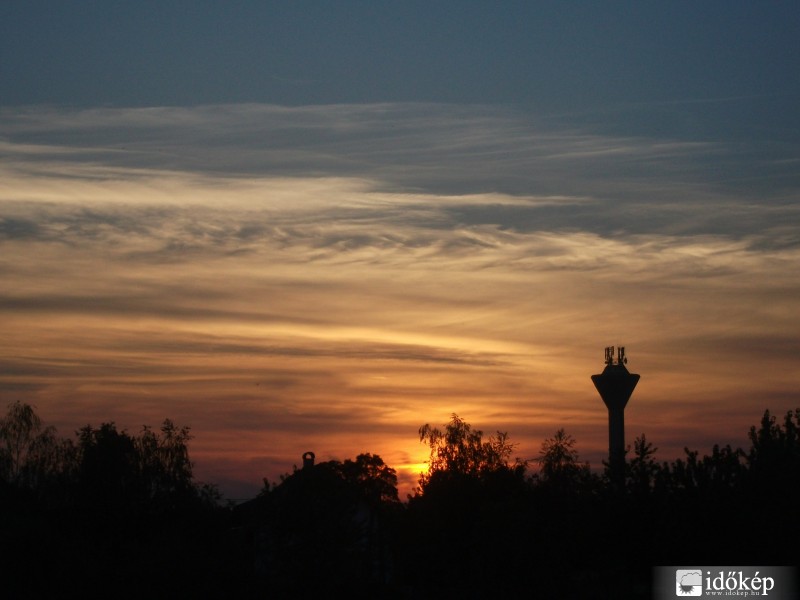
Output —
(115, 515)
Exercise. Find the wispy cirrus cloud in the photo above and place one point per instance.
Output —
(335, 276)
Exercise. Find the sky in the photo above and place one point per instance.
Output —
(320, 225)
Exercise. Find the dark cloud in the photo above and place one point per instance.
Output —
(21, 388)
(133, 305)
(632, 184)
(347, 350)
(11, 228)
(759, 345)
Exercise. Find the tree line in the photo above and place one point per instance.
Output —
(112, 512)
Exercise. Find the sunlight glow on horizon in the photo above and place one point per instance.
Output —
(279, 312)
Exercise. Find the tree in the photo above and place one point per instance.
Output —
(376, 480)
(29, 452)
(108, 474)
(643, 467)
(337, 517)
(151, 471)
(775, 447)
(558, 459)
(774, 458)
(468, 508)
(163, 461)
(460, 450)
(18, 430)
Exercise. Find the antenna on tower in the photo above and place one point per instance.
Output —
(621, 358)
(609, 355)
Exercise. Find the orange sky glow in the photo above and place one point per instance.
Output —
(341, 300)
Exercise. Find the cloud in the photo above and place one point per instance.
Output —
(335, 276)
(490, 155)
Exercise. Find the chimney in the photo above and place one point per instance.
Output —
(308, 460)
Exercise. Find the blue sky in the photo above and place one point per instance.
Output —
(319, 225)
(550, 56)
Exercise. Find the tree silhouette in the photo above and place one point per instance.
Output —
(773, 482)
(110, 508)
(108, 471)
(775, 448)
(375, 480)
(643, 468)
(559, 458)
(163, 463)
(335, 519)
(460, 451)
(467, 507)
(124, 509)
(33, 458)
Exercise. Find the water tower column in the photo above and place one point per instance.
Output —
(615, 385)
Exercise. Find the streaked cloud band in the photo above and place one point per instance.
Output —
(380, 266)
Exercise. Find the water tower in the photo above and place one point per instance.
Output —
(615, 385)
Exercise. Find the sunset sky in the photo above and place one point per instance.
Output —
(319, 225)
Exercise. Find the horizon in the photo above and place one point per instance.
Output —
(319, 227)
(408, 478)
